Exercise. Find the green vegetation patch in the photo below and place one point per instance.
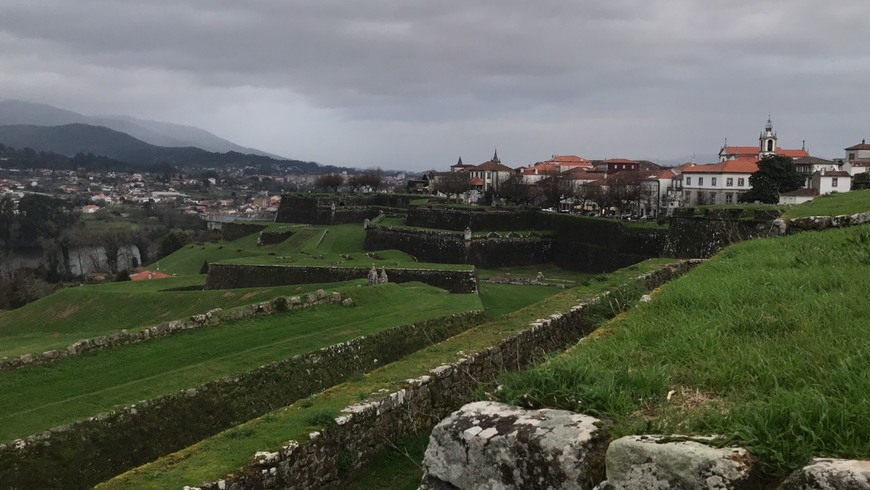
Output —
(832, 205)
(36, 398)
(217, 456)
(84, 312)
(764, 344)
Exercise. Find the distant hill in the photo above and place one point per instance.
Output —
(71, 139)
(16, 112)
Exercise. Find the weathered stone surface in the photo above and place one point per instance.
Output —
(489, 445)
(831, 474)
(652, 463)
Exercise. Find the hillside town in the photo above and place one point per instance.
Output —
(642, 189)
(615, 187)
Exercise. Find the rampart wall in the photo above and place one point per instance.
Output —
(231, 276)
(92, 450)
(365, 429)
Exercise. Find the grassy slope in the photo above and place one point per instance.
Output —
(71, 314)
(36, 398)
(832, 205)
(765, 343)
(224, 453)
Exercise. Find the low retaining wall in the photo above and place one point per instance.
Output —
(364, 430)
(165, 329)
(818, 223)
(335, 209)
(232, 276)
(449, 247)
(234, 231)
(95, 449)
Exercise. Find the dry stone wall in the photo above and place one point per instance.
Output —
(92, 450)
(231, 276)
(366, 428)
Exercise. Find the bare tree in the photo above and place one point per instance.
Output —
(329, 181)
(515, 190)
(451, 183)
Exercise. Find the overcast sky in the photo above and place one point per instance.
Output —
(406, 84)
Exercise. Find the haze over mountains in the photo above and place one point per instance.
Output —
(156, 133)
(47, 128)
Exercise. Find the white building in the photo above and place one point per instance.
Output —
(717, 183)
(857, 159)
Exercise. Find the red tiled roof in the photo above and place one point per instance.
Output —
(567, 159)
(477, 181)
(863, 162)
(835, 173)
(146, 275)
(802, 192)
(491, 166)
(738, 166)
(792, 153)
(740, 150)
(860, 146)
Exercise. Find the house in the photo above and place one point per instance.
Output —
(717, 183)
(857, 159)
(491, 173)
(807, 166)
(615, 165)
(798, 196)
(827, 182)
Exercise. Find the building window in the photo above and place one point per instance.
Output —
(712, 198)
(729, 198)
(688, 181)
(700, 181)
(834, 182)
(740, 182)
(851, 156)
(714, 182)
(729, 182)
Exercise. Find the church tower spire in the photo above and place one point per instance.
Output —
(495, 156)
(767, 141)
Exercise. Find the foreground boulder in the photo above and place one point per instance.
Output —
(836, 474)
(653, 463)
(488, 445)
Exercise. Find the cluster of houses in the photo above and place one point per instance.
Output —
(658, 189)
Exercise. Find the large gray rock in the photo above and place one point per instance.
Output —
(831, 474)
(488, 445)
(653, 463)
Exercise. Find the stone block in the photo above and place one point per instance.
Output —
(654, 463)
(831, 474)
(489, 445)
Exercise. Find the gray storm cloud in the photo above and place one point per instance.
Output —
(411, 84)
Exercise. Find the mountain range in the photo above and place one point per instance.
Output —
(50, 129)
(17, 112)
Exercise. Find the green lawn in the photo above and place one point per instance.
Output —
(832, 205)
(36, 398)
(765, 344)
(217, 456)
(82, 312)
(500, 299)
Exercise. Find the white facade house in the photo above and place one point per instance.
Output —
(827, 182)
(717, 183)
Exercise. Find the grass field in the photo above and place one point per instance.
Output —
(766, 344)
(217, 456)
(72, 314)
(39, 397)
(832, 205)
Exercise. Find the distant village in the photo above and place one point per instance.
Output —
(620, 187)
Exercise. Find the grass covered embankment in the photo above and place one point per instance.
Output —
(832, 205)
(224, 453)
(765, 344)
(36, 398)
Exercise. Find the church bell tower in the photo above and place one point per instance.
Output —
(767, 141)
